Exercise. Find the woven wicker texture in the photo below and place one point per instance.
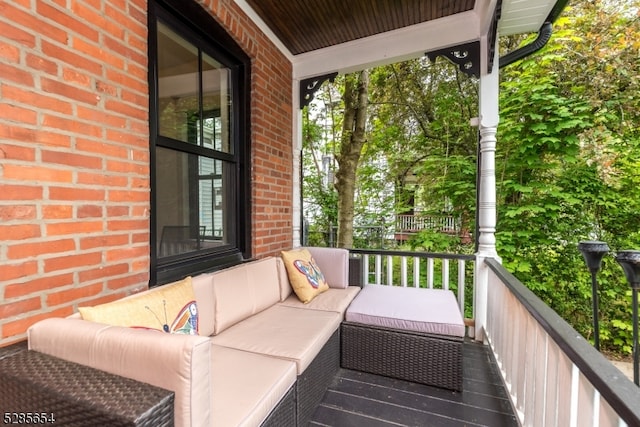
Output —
(77, 395)
(285, 413)
(411, 356)
(312, 384)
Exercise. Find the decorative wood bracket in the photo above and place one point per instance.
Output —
(465, 56)
(308, 87)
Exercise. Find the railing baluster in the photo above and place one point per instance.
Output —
(389, 270)
(430, 273)
(416, 272)
(445, 274)
(461, 274)
(403, 271)
(378, 269)
(365, 268)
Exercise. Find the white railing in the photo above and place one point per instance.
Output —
(421, 270)
(554, 376)
(414, 223)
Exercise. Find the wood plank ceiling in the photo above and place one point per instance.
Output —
(307, 25)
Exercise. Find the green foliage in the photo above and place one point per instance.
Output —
(567, 164)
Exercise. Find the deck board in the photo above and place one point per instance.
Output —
(362, 399)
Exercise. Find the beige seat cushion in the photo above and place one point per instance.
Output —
(332, 300)
(247, 386)
(286, 332)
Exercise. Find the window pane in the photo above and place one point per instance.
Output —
(178, 84)
(217, 102)
(193, 208)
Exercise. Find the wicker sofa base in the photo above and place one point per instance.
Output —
(285, 413)
(313, 383)
(422, 358)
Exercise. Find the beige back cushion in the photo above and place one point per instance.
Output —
(243, 291)
(203, 290)
(283, 278)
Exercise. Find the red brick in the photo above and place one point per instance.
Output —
(36, 173)
(26, 250)
(57, 212)
(15, 113)
(19, 232)
(14, 308)
(138, 279)
(69, 22)
(89, 211)
(17, 212)
(39, 63)
(39, 285)
(72, 261)
(74, 228)
(69, 90)
(20, 325)
(73, 294)
(102, 272)
(128, 224)
(77, 194)
(71, 159)
(36, 99)
(127, 253)
(18, 271)
(104, 241)
(129, 196)
(11, 32)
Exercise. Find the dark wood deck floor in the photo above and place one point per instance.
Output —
(360, 399)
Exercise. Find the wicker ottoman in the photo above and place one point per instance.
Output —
(405, 333)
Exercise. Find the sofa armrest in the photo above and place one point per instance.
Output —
(180, 363)
(334, 264)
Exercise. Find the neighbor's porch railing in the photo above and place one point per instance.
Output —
(414, 223)
(421, 270)
(554, 376)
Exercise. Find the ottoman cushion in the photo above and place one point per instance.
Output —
(432, 311)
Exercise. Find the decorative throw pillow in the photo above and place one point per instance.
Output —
(169, 308)
(306, 278)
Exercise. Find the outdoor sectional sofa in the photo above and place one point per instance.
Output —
(262, 357)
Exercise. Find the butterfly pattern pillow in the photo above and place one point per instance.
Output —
(170, 308)
(304, 274)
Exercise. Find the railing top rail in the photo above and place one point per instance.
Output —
(412, 254)
(621, 394)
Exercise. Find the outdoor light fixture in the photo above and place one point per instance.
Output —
(593, 251)
(630, 262)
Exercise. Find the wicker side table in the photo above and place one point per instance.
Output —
(48, 390)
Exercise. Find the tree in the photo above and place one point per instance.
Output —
(352, 141)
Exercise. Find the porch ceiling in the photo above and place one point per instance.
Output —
(304, 25)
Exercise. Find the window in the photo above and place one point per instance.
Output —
(199, 145)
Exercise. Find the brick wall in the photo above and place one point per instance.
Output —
(74, 156)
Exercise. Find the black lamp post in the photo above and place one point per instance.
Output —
(593, 251)
(630, 262)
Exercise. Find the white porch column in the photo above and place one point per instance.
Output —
(486, 203)
(296, 193)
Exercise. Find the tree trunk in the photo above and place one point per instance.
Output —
(353, 138)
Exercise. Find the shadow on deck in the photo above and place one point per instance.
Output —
(361, 399)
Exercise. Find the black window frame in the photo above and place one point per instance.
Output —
(194, 23)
